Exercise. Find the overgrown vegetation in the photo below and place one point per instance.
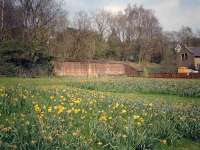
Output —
(51, 117)
(24, 37)
(20, 59)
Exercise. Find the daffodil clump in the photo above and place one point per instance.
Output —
(74, 118)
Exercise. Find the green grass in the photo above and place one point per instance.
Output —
(180, 87)
(99, 113)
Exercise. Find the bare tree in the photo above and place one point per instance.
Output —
(38, 16)
(141, 30)
(101, 19)
(82, 21)
(83, 36)
(186, 35)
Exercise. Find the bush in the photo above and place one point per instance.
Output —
(20, 59)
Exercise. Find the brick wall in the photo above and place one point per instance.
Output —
(92, 69)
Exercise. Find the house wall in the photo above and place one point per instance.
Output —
(185, 63)
(197, 63)
(91, 69)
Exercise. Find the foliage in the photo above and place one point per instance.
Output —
(18, 58)
(114, 46)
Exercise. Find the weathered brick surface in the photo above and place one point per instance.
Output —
(92, 69)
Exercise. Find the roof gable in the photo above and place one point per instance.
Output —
(182, 48)
(195, 51)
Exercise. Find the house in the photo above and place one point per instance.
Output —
(188, 57)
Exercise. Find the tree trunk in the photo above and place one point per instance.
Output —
(2, 19)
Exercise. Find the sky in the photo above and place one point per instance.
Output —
(172, 14)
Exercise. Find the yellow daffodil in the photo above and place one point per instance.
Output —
(59, 108)
(124, 111)
(76, 133)
(135, 117)
(163, 141)
(69, 111)
(62, 98)
(76, 101)
(13, 146)
(33, 142)
(150, 104)
(77, 111)
(49, 109)
(103, 117)
(37, 108)
(52, 97)
(99, 143)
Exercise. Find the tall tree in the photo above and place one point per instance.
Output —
(83, 36)
(38, 16)
(114, 44)
(186, 35)
(2, 15)
(101, 23)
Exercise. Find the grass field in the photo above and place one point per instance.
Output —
(99, 113)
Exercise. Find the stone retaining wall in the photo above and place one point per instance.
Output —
(92, 69)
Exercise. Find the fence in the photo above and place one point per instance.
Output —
(175, 75)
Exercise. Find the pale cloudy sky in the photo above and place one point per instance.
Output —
(172, 14)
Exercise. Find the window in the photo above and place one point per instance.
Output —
(198, 67)
(182, 57)
(186, 56)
